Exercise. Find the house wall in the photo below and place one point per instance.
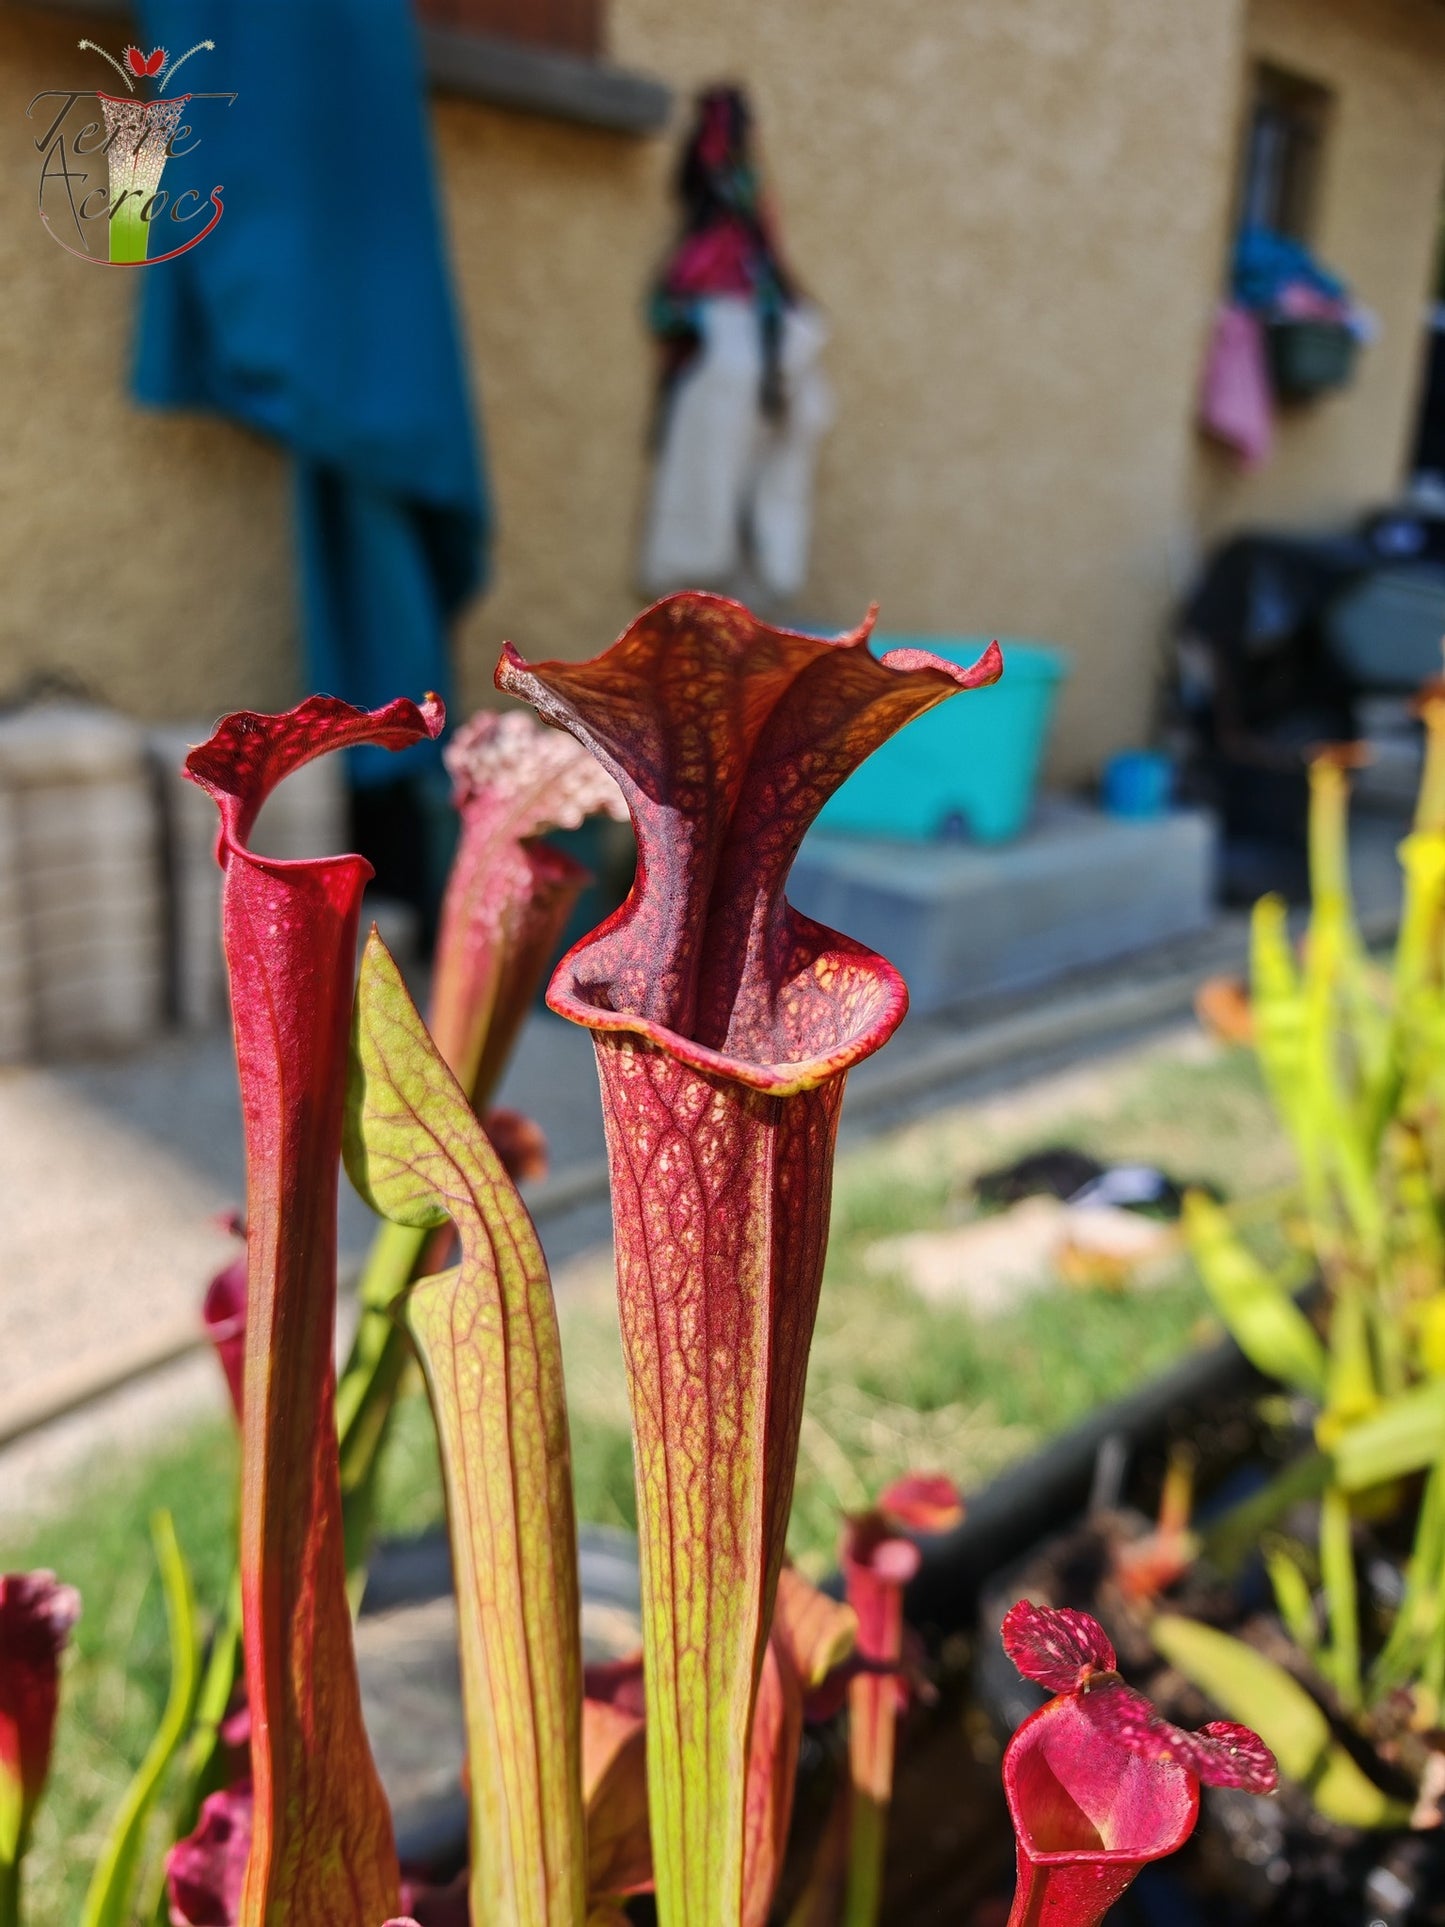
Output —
(1008, 211)
(1013, 214)
(1376, 223)
(144, 558)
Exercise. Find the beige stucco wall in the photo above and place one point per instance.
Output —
(1013, 211)
(143, 557)
(1007, 216)
(1376, 224)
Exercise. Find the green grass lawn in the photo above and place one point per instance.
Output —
(894, 1384)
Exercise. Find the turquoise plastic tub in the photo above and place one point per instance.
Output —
(971, 764)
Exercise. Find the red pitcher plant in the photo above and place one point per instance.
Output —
(725, 1024)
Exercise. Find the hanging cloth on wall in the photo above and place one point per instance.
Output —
(728, 244)
(319, 312)
(733, 487)
(1235, 403)
(742, 399)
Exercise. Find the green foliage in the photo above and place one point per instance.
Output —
(369, 1385)
(1254, 1302)
(1406, 1435)
(1354, 1059)
(1293, 1598)
(117, 1680)
(112, 1889)
(486, 1334)
(1250, 1687)
(894, 1384)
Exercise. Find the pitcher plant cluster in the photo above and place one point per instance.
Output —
(725, 1024)
(1339, 1294)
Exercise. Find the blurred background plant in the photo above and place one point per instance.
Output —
(1350, 1317)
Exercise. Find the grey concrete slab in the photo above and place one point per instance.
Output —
(963, 921)
(553, 1078)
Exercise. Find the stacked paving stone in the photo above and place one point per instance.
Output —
(82, 906)
(109, 886)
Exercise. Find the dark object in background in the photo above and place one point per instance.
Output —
(1073, 1176)
(1257, 610)
(728, 244)
(1410, 534)
(407, 831)
(1429, 456)
(1277, 647)
(1257, 689)
(1143, 1188)
(1308, 357)
(1057, 1172)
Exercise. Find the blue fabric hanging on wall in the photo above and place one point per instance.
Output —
(320, 313)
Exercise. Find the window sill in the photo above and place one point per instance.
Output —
(504, 73)
(533, 80)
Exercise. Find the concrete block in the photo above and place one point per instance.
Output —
(90, 824)
(112, 1009)
(193, 881)
(87, 905)
(961, 921)
(306, 815)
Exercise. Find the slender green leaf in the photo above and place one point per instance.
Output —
(1264, 1321)
(1293, 1598)
(204, 1761)
(1337, 1574)
(1247, 1686)
(1422, 860)
(1415, 1633)
(367, 1388)
(1403, 1436)
(486, 1333)
(108, 1902)
(1351, 1396)
(1357, 1013)
(1229, 1542)
(1277, 1002)
(1341, 1125)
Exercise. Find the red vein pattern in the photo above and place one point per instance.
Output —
(1056, 1646)
(878, 1563)
(486, 1335)
(811, 1635)
(509, 894)
(322, 1847)
(1098, 1783)
(724, 1024)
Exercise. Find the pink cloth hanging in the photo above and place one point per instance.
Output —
(1235, 403)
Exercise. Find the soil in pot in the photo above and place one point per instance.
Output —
(1253, 1862)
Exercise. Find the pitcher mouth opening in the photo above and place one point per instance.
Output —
(726, 736)
(863, 991)
(1066, 1812)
